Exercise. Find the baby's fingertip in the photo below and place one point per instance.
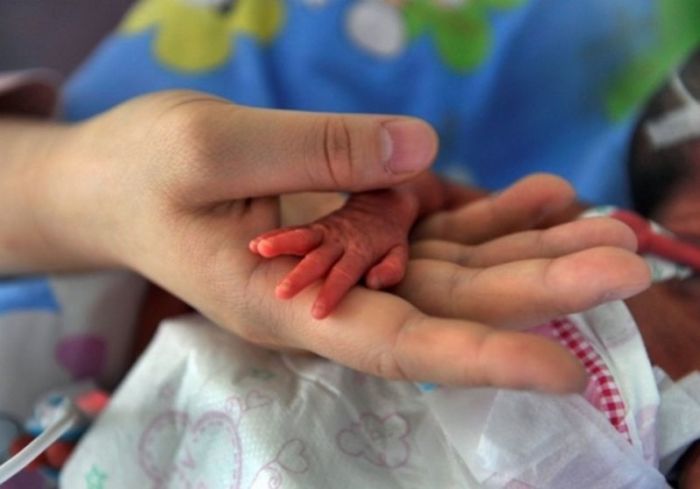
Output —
(253, 246)
(266, 249)
(319, 310)
(284, 290)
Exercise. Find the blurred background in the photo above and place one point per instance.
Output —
(55, 34)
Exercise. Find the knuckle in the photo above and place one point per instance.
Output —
(392, 361)
(186, 121)
(346, 273)
(358, 252)
(337, 150)
(384, 365)
(184, 124)
(250, 333)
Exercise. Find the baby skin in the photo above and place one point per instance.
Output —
(367, 237)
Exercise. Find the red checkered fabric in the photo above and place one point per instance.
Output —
(602, 392)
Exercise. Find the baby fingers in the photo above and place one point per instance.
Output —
(342, 277)
(390, 270)
(290, 241)
(312, 267)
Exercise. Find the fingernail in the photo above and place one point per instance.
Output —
(265, 249)
(408, 145)
(282, 290)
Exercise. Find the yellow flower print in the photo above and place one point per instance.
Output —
(199, 35)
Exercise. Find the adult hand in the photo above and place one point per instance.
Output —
(491, 261)
(174, 185)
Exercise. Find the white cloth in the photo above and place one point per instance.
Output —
(679, 416)
(203, 409)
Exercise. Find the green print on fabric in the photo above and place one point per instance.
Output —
(678, 33)
(95, 478)
(461, 29)
(198, 35)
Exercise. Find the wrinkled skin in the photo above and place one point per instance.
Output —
(367, 237)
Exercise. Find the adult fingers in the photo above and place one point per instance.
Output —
(381, 334)
(528, 292)
(517, 208)
(549, 243)
(239, 152)
(385, 336)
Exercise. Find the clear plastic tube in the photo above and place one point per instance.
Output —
(25, 456)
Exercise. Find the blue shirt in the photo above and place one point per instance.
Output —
(512, 86)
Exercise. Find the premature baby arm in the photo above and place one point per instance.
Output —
(367, 237)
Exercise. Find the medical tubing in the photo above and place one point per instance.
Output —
(37, 446)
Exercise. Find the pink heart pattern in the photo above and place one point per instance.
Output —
(255, 399)
(177, 452)
(83, 355)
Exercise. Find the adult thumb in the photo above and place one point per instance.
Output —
(267, 152)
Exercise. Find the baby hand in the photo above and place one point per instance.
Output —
(367, 237)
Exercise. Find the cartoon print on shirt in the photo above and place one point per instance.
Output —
(460, 29)
(84, 355)
(676, 36)
(32, 325)
(315, 3)
(377, 27)
(206, 451)
(199, 35)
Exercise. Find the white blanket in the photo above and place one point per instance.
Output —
(203, 409)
